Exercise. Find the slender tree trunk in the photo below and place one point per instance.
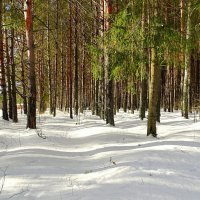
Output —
(109, 81)
(143, 97)
(49, 62)
(76, 63)
(13, 79)
(23, 79)
(63, 70)
(70, 74)
(187, 64)
(42, 81)
(172, 89)
(8, 75)
(2, 67)
(31, 114)
(182, 20)
(143, 88)
(83, 81)
(56, 64)
(125, 95)
(97, 98)
(96, 28)
(118, 96)
(159, 97)
(110, 104)
(102, 92)
(154, 86)
(153, 95)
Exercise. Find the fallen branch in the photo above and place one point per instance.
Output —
(40, 134)
(19, 193)
(3, 178)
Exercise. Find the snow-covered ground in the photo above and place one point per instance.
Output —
(84, 159)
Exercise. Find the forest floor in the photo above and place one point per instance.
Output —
(84, 159)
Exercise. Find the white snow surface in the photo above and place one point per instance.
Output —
(84, 159)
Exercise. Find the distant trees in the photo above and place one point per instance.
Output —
(101, 55)
(159, 40)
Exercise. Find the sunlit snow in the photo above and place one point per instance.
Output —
(84, 159)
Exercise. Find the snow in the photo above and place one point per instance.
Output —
(84, 159)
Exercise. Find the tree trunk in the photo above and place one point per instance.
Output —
(118, 96)
(31, 114)
(8, 76)
(187, 64)
(154, 85)
(159, 97)
(56, 64)
(125, 104)
(2, 68)
(70, 74)
(63, 70)
(23, 79)
(76, 63)
(13, 79)
(109, 103)
(49, 63)
(153, 95)
(143, 88)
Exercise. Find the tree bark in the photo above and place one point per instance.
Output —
(56, 64)
(76, 63)
(8, 75)
(23, 79)
(49, 63)
(154, 84)
(2, 68)
(70, 74)
(143, 88)
(153, 95)
(109, 81)
(31, 114)
(13, 79)
(187, 64)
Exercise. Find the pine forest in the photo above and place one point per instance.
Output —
(82, 85)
